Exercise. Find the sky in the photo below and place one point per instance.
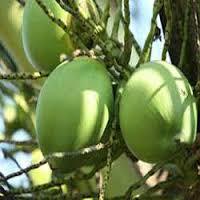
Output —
(141, 12)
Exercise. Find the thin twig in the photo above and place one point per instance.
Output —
(155, 168)
(19, 143)
(128, 39)
(33, 189)
(5, 56)
(24, 76)
(142, 181)
(136, 45)
(108, 46)
(98, 7)
(86, 23)
(61, 24)
(106, 12)
(118, 16)
(168, 28)
(7, 154)
(159, 186)
(149, 40)
(84, 151)
(108, 167)
(2, 177)
(25, 170)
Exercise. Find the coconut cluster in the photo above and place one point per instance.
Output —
(157, 108)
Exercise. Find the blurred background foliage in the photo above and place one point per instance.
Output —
(18, 102)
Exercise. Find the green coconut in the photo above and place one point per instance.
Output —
(44, 41)
(73, 110)
(157, 109)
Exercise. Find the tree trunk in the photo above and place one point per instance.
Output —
(191, 66)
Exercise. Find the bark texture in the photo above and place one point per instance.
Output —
(192, 58)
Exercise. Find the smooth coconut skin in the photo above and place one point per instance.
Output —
(43, 40)
(73, 110)
(10, 33)
(157, 108)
